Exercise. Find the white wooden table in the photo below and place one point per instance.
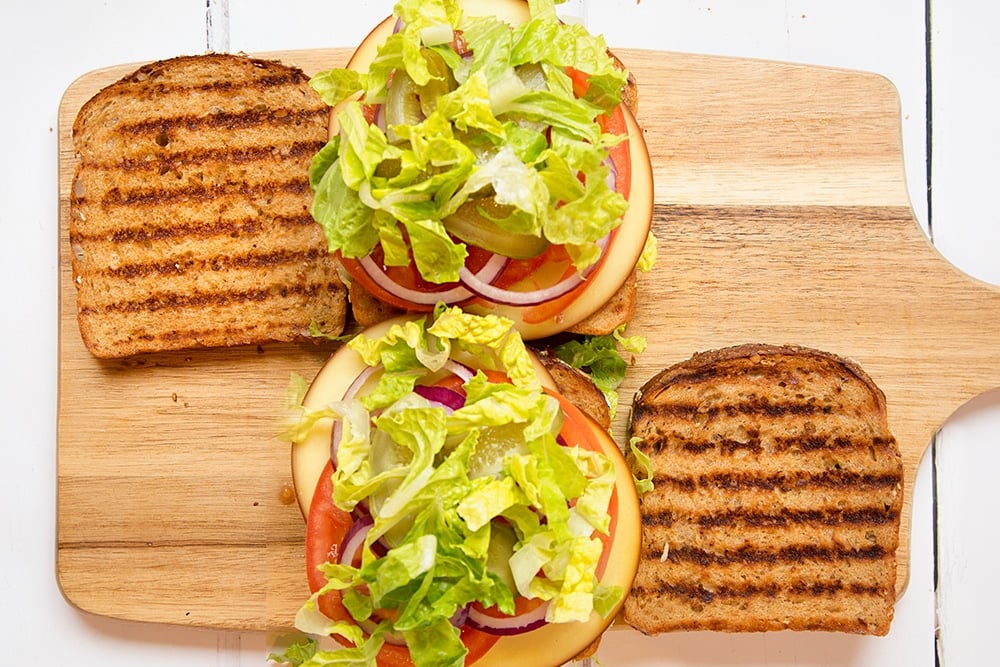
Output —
(941, 56)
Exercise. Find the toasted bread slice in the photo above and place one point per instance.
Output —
(777, 495)
(190, 221)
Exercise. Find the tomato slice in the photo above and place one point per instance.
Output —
(620, 153)
(326, 527)
(612, 122)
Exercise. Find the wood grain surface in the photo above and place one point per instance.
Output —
(782, 215)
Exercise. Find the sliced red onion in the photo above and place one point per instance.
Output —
(493, 267)
(335, 435)
(488, 273)
(460, 370)
(352, 391)
(349, 548)
(354, 538)
(459, 618)
(496, 294)
(514, 298)
(360, 381)
(448, 398)
(508, 625)
(612, 178)
(382, 279)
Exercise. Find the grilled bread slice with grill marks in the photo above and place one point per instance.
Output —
(777, 491)
(190, 223)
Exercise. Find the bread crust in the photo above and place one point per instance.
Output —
(777, 495)
(577, 387)
(189, 211)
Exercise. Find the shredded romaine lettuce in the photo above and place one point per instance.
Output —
(393, 187)
(600, 358)
(648, 257)
(435, 481)
(643, 480)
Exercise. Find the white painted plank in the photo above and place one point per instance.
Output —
(965, 143)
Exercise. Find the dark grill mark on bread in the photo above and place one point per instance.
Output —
(698, 593)
(158, 302)
(862, 516)
(777, 493)
(198, 192)
(737, 482)
(228, 156)
(153, 74)
(751, 442)
(181, 230)
(189, 211)
(751, 556)
(221, 119)
(761, 406)
(875, 516)
(221, 263)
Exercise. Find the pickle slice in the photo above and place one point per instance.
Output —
(474, 223)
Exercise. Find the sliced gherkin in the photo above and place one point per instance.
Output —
(474, 223)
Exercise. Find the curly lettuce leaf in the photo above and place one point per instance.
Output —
(600, 357)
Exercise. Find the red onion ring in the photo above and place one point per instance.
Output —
(352, 391)
(459, 370)
(335, 435)
(447, 398)
(460, 617)
(379, 119)
(360, 381)
(612, 178)
(507, 625)
(349, 549)
(382, 279)
(488, 273)
(354, 538)
(496, 294)
(493, 267)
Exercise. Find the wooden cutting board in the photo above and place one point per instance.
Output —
(782, 215)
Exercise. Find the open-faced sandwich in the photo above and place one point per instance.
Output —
(482, 156)
(459, 508)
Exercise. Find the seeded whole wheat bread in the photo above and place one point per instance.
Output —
(777, 495)
(190, 223)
